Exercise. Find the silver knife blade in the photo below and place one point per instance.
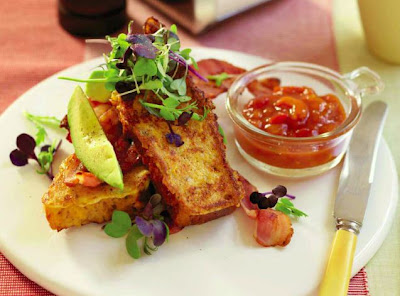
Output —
(358, 168)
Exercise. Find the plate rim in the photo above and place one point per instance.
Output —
(368, 252)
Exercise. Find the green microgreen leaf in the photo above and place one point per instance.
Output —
(39, 121)
(131, 243)
(167, 114)
(40, 135)
(110, 86)
(119, 46)
(222, 133)
(285, 206)
(198, 117)
(175, 44)
(219, 78)
(194, 63)
(145, 66)
(119, 225)
(45, 159)
(179, 85)
(50, 121)
(174, 29)
(185, 53)
(152, 84)
(171, 102)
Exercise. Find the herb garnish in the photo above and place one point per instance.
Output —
(26, 150)
(40, 122)
(139, 63)
(220, 78)
(276, 200)
(150, 231)
(26, 145)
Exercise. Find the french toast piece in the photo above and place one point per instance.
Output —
(194, 179)
(75, 206)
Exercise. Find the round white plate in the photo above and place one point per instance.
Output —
(217, 258)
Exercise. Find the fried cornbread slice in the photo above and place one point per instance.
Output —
(195, 179)
(75, 206)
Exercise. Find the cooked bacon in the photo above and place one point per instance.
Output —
(78, 174)
(214, 67)
(273, 228)
(264, 87)
(250, 208)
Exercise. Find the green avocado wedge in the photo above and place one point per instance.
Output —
(97, 90)
(90, 142)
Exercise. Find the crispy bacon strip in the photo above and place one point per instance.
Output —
(213, 67)
(250, 209)
(77, 174)
(273, 228)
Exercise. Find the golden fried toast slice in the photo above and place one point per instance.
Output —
(195, 179)
(67, 206)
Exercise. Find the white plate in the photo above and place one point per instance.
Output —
(217, 258)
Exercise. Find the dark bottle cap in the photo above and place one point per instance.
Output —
(90, 18)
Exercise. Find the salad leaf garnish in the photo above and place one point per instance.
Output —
(119, 225)
(222, 133)
(279, 199)
(285, 206)
(26, 150)
(148, 230)
(150, 62)
(40, 122)
(219, 78)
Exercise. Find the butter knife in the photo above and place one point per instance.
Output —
(352, 198)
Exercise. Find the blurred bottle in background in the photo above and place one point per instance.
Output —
(92, 18)
(381, 22)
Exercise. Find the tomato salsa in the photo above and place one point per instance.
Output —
(292, 112)
(295, 112)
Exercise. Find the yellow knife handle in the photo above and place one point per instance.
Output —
(337, 274)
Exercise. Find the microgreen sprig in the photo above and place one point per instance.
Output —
(149, 231)
(40, 122)
(220, 78)
(276, 200)
(26, 145)
(139, 63)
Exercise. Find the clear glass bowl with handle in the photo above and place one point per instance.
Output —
(303, 156)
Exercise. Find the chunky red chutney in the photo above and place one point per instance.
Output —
(295, 112)
(291, 112)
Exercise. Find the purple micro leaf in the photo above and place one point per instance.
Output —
(144, 226)
(138, 39)
(184, 118)
(142, 46)
(159, 232)
(26, 144)
(18, 158)
(144, 51)
(173, 138)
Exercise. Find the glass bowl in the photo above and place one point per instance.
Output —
(305, 156)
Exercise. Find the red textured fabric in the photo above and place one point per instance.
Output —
(359, 284)
(33, 47)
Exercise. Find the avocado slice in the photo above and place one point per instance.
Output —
(97, 90)
(90, 142)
